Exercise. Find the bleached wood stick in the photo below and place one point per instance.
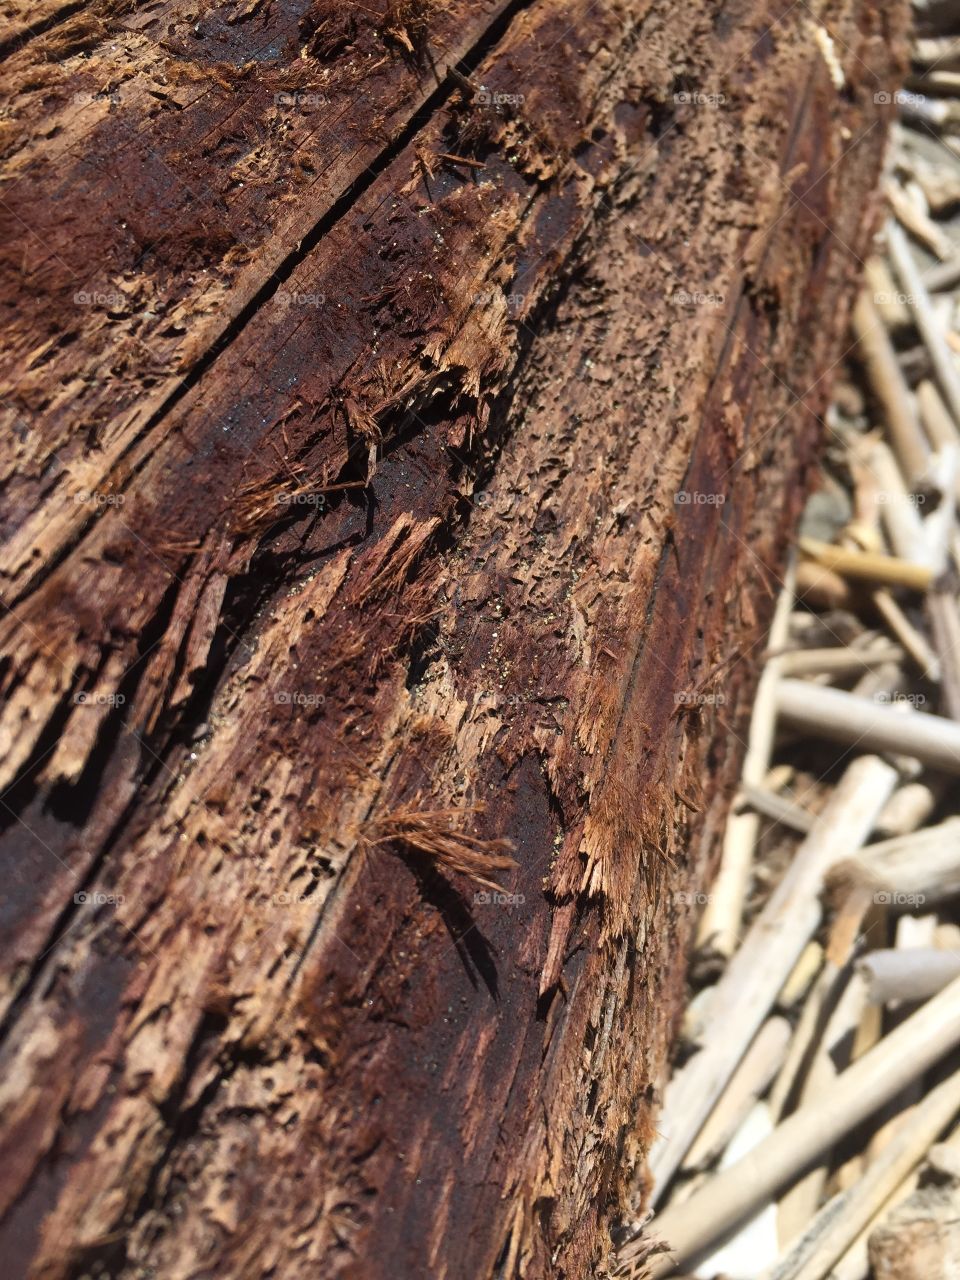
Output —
(759, 968)
(822, 588)
(839, 1222)
(779, 808)
(868, 566)
(890, 304)
(873, 726)
(908, 808)
(839, 661)
(940, 428)
(844, 932)
(939, 525)
(930, 331)
(754, 1244)
(922, 868)
(944, 618)
(801, 976)
(720, 923)
(912, 640)
(918, 223)
(943, 275)
(748, 1083)
(914, 974)
(855, 1262)
(896, 505)
(890, 388)
(901, 1057)
(799, 1203)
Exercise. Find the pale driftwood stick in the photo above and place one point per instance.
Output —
(890, 304)
(943, 275)
(822, 588)
(868, 566)
(767, 803)
(940, 51)
(890, 388)
(919, 302)
(919, 224)
(908, 808)
(944, 618)
(759, 968)
(838, 661)
(937, 421)
(916, 931)
(922, 868)
(872, 726)
(801, 976)
(720, 924)
(913, 641)
(940, 524)
(695, 1015)
(844, 931)
(855, 1262)
(904, 1055)
(754, 1244)
(914, 974)
(800, 1202)
(896, 505)
(839, 1222)
(946, 936)
(748, 1083)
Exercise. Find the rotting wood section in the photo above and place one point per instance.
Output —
(340, 546)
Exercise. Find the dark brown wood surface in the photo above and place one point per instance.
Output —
(397, 469)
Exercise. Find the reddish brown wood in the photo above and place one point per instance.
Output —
(348, 573)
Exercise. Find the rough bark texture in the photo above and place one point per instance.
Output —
(341, 545)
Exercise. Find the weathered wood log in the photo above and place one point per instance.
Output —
(406, 408)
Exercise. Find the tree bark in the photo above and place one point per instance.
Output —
(406, 411)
